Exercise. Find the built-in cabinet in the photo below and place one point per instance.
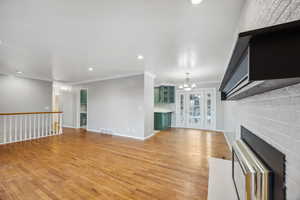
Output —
(162, 120)
(164, 94)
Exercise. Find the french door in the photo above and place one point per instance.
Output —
(196, 109)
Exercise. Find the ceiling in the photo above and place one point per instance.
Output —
(60, 39)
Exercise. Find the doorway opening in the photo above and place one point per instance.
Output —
(83, 108)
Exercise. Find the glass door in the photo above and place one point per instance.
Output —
(181, 111)
(196, 109)
(210, 109)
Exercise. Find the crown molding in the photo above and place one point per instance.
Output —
(104, 79)
(27, 77)
(152, 75)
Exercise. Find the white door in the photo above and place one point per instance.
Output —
(196, 109)
(194, 117)
(181, 110)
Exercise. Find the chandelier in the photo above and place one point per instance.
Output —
(187, 85)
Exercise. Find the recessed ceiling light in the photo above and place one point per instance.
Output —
(140, 57)
(19, 72)
(196, 2)
(91, 69)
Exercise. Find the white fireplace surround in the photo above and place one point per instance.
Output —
(274, 116)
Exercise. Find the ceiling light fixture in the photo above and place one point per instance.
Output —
(187, 85)
(91, 69)
(196, 2)
(140, 57)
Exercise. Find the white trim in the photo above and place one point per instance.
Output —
(171, 83)
(150, 74)
(206, 82)
(149, 136)
(66, 126)
(227, 141)
(122, 135)
(128, 136)
(104, 79)
(24, 76)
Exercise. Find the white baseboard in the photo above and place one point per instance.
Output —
(66, 126)
(217, 130)
(226, 138)
(149, 136)
(121, 135)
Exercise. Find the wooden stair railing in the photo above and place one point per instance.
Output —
(16, 127)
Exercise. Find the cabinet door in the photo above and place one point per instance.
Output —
(171, 94)
(161, 94)
(156, 95)
(166, 94)
(169, 120)
(83, 97)
(157, 121)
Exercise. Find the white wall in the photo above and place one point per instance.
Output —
(275, 115)
(68, 103)
(149, 103)
(24, 95)
(117, 106)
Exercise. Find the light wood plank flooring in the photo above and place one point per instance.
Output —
(82, 165)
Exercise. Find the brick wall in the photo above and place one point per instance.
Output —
(275, 115)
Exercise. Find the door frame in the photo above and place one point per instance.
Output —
(203, 106)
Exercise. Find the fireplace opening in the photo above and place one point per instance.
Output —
(258, 169)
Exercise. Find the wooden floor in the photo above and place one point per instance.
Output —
(82, 165)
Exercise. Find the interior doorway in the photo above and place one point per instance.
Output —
(83, 108)
(196, 109)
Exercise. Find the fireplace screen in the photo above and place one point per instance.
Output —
(251, 177)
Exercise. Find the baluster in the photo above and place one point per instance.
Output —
(47, 124)
(56, 124)
(4, 129)
(42, 131)
(10, 129)
(30, 130)
(38, 130)
(16, 128)
(43, 124)
(60, 123)
(50, 124)
(25, 126)
(34, 127)
(49, 127)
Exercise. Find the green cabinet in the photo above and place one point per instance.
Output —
(164, 94)
(83, 97)
(156, 95)
(162, 121)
